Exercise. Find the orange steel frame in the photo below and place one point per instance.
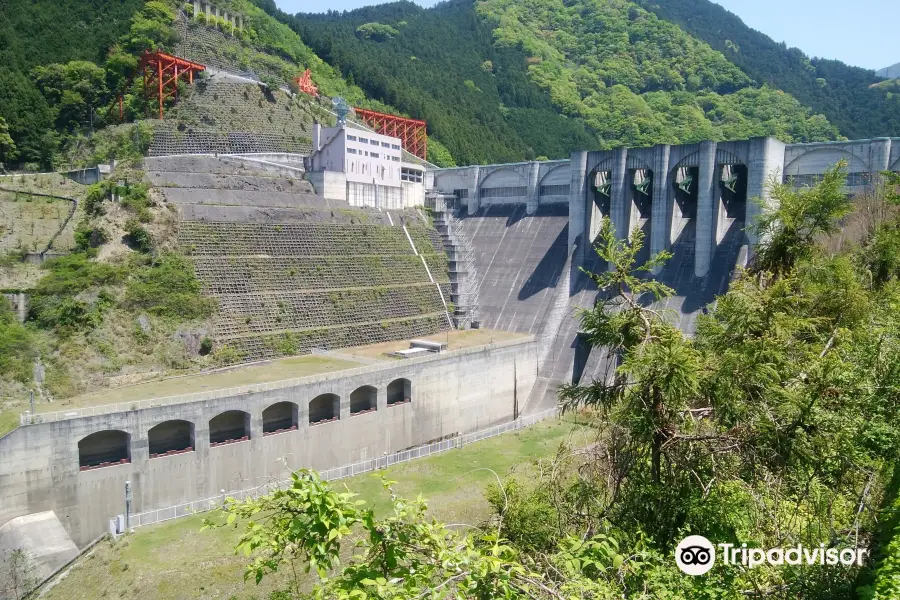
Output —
(305, 84)
(410, 131)
(161, 74)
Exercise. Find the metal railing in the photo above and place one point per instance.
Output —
(197, 506)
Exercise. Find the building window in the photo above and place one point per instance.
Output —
(411, 175)
(395, 158)
(373, 154)
(395, 146)
(461, 193)
(352, 138)
(363, 141)
(385, 145)
(351, 150)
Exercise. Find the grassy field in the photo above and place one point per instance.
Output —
(455, 340)
(28, 223)
(276, 370)
(174, 560)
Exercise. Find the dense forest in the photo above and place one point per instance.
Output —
(841, 92)
(496, 80)
(487, 73)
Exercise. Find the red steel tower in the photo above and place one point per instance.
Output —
(410, 131)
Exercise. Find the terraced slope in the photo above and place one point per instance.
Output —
(292, 272)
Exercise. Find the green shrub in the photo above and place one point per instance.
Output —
(167, 286)
(88, 237)
(56, 302)
(226, 355)
(17, 348)
(95, 196)
(136, 199)
(137, 237)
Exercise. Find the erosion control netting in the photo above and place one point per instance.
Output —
(286, 288)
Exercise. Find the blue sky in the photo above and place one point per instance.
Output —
(861, 32)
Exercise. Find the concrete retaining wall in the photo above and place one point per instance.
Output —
(453, 393)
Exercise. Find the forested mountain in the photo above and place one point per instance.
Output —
(41, 32)
(492, 77)
(442, 65)
(839, 91)
(484, 74)
(497, 80)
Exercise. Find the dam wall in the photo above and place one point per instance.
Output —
(173, 454)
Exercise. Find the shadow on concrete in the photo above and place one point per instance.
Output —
(547, 272)
(697, 292)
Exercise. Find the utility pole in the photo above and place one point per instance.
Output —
(127, 506)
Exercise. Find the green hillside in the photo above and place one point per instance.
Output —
(839, 91)
(537, 76)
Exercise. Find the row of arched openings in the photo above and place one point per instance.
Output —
(113, 447)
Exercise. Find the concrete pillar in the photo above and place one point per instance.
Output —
(707, 188)
(21, 307)
(617, 191)
(880, 155)
(578, 199)
(766, 162)
(533, 194)
(196, 8)
(474, 202)
(661, 210)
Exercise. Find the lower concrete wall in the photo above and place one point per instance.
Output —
(329, 184)
(452, 393)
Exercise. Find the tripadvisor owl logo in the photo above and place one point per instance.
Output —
(695, 555)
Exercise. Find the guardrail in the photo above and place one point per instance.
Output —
(27, 418)
(206, 504)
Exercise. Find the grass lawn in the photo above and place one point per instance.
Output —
(9, 420)
(174, 560)
(276, 370)
(455, 340)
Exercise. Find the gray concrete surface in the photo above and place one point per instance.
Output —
(44, 540)
(452, 393)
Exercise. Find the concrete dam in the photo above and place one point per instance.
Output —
(286, 263)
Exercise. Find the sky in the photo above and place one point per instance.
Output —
(858, 32)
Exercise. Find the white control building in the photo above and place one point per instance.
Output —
(364, 169)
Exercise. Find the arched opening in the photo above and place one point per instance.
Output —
(399, 391)
(229, 427)
(104, 449)
(280, 417)
(363, 399)
(171, 437)
(639, 207)
(555, 185)
(600, 191)
(503, 186)
(733, 185)
(324, 408)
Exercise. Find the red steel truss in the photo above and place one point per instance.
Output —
(162, 72)
(305, 84)
(410, 131)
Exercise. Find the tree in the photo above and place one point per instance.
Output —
(8, 150)
(17, 574)
(658, 372)
(802, 215)
(402, 556)
(378, 32)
